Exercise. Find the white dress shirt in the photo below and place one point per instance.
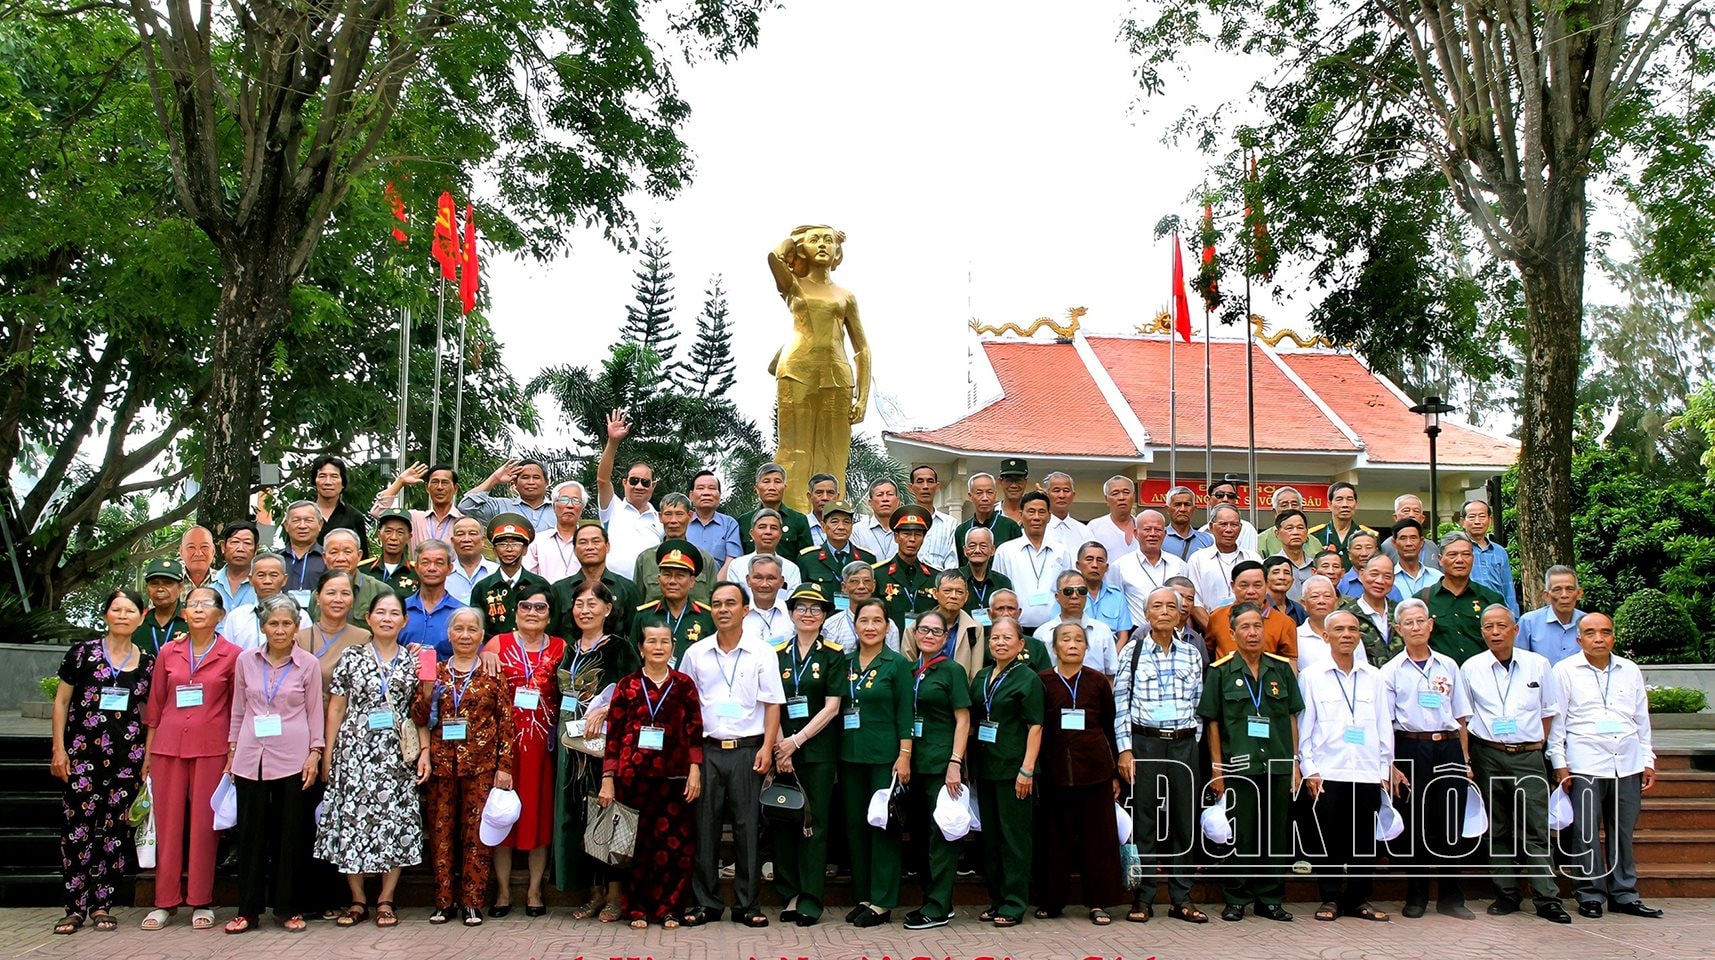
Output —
(1522, 694)
(736, 687)
(1139, 578)
(1346, 732)
(1602, 728)
(1313, 649)
(459, 582)
(1247, 535)
(1100, 654)
(769, 625)
(1033, 572)
(551, 557)
(1430, 697)
(629, 533)
(937, 550)
(241, 627)
(869, 534)
(1212, 572)
(1069, 532)
(738, 571)
(1104, 530)
(817, 536)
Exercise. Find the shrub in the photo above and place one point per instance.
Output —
(49, 686)
(1676, 700)
(1654, 628)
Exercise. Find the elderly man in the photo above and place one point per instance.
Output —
(303, 553)
(1107, 599)
(529, 479)
(985, 514)
(767, 528)
(442, 483)
(1148, 568)
(675, 521)
(1291, 532)
(1319, 601)
(1490, 565)
(1552, 629)
(824, 489)
(1073, 596)
(551, 555)
(497, 594)
(1014, 476)
(980, 579)
(1211, 568)
(715, 533)
(1601, 752)
(794, 526)
(393, 566)
(857, 582)
(874, 533)
(767, 619)
(966, 636)
(1064, 530)
(1407, 548)
(1514, 700)
(1407, 506)
(238, 547)
(469, 565)
(268, 576)
(1374, 607)
(1284, 499)
(1359, 550)
(1226, 491)
(429, 611)
(196, 555)
(938, 550)
(1117, 529)
(1456, 602)
(1278, 578)
(1336, 534)
(341, 550)
(592, 550)
(679, 563)
(904, 582)
(1280, 631)
(633, 525)
(1033, 563)
(1155, 729)
(822, 564)
(1004, 603)
(164, 582)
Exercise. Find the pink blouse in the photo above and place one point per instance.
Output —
(296, 690)
(199, 728)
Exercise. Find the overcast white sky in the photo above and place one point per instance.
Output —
(995, 136)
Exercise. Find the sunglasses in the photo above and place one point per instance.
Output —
(1225, 496)
(640, 481)
(533, 606)
(1074, 591)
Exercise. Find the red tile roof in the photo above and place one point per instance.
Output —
(1391, 432)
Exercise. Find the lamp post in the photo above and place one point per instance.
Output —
(1432, 408)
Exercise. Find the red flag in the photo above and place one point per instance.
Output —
(446, 245)
(397, 202)
(1181, 306)
(1262, 250)
(470, 278)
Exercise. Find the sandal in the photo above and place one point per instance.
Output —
(1043, 913)
(1328, 911)
(68, 925)
(384, 915)
(1140, 913)
(156, 919)
(1368, 912)
(1005, 921)
(1188, 912)
(293, 924)
(610, 913)
(353, 915)
(640, 924)
(590, 909)
(105, 922)
(1100, 917)
(239, 925)
(202, 918)
(331, 913)
(754, 918)
(670, 922)
(989, 915)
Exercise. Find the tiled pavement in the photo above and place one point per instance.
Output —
(1686, 932)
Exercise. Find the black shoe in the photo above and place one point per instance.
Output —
(472, 917)
(1502, 908)
(700, 916)
(750, 918)
(1412, 911)
(1233, 912)
(1273, 911)
(1553, 913)
(498, 912)
(1636, 908)
(1590, 908)
(1456, 910)
(915, 920)
(855, 912)
(869, 918)
(540, 910)
(804, 920)
(788, 916)
(443, 915)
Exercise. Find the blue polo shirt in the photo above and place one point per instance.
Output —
(1540, 632)
(1492, 568)
(719, 537)
(1183, 547)
(1350, 587)
(429, 629)
(1110, 607)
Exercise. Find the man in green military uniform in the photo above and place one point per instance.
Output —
(985, 497)
(981, 580)
(679, 562)
(1456, 602)
(905, 583)
(675, 513)
(590, 545)
(496, 596)
(1252, 701)
(1336, 535)
(794, 526)
(163, 581)
(811, 672)
(393, 567)
(824, 565)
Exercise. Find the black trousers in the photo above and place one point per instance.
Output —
(732, 793)
(1433, 807)
(275, 832)
(1346, 818)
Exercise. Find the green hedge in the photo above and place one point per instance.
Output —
(1676, 700)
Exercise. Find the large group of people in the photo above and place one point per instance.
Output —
(939, 696)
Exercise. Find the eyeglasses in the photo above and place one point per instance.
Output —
(932, 631)
(567, 501)
(807, 608)
(640, 481)
(1074, 591)
(533, 606)
(200, 605)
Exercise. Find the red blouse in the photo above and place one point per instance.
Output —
(677, 711)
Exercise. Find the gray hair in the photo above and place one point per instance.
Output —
(856, 566)
(583, 492)
(267, 606)
(1458, 536)
(1176, 491)
(1410, 603)
(1319, 580)
(300, 504)
(463, 610)
(1178, 598)
(342, 532)
(1087, 544)
(1059, 473)
(1559, 569)
(995, 596)
(1152, 511)
(270, 556)
(1121, 478)
(880, 482)
(675, 500)
(1215, 511)
(1328, 621)
(1067, 574)
(431, 544)
(976, 476)
(1274, 500)
(764, 558)
(1502, 608)
(769, 468)
(973, 530)
(1402, 498)
(949, 575)
(764, 514)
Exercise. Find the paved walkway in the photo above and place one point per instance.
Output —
(1686, 932)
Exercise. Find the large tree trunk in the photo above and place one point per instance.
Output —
(1554, 313)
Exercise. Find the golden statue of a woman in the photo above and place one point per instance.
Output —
(819, 397)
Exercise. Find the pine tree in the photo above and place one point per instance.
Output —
(709, 371)
(649, 321)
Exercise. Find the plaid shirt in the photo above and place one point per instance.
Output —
(1173, 680)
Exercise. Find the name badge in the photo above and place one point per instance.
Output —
(302, 597)
(1256, 726)
(381, 720)
(987, 731)
(268, 726)
(842, 603)
(851, 718)
(569, 703)
(1357, 735)
(115, 698)
(672, 663)
(454, 729)
(1507, 725)
(526, 698)
(729, 710)
(797, 708)
(651, 738)
(1071, 719)
(1609, 725)
(1429, 699)
(1038, 598)
(574, 728)
(188, 695)
(1161, 713)
(982, 617)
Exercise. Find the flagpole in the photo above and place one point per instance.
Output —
(404, 379)
(1208, 408)
(1250, 388)
(458, 401)
(1172, 405)
(435, 409)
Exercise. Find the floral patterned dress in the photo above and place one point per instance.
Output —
(105, 747)
(372, 820)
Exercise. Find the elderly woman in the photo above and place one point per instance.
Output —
(655, 744)
(190, 703)
(1006, 698)
(371, 822)
(808, 751)
(471, 751)
(98, 751)
(529, 662)
(857, 582)
(276, 742)
(1080, 782)
(941, 699)
(593, 661)
(333, 633)
(875, 750)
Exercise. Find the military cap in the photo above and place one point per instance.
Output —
(165, 568)
(839, 506)
(403, 516)
(510, 525)
(812, 592)
(1014, 467)
(912, 517)
(679, 555)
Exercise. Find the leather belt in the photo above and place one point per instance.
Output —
(733, 744)
(1435, 737)
(1157, 733)
(1531, 747)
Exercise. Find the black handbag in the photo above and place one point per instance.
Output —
(786, 801)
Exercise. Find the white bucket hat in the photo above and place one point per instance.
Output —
(1216, 827)
(1389, 824)
(225, 804)
(499, 813)
(951, 814)
(1123, 820)
(1559, 809)
(878, 808)
(1476, 818)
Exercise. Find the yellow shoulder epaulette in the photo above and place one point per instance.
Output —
(696, 607)
(877, 565)
(1222, 660)
(782, 645)
(809, 549)
(648, 606)
(1286, 660)
(831, 645)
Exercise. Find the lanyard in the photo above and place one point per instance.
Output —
(1184, 542)
(853, 678)
(1071, 688)
(800, 663)
(1163, 681)
(983, 594)
(560, 548)
(191, 654)
(1607, 680)
(1503, 694)
(270, 691)
(729, 679)
(328, 641)
(578, 657)
(459, 691)
(989, 690)
(1426, 670)
(386, 672)
(1255, 690)
(524, 655)
(673, 622)
(1035, 567)
(118, 668)
(303, 565)
(767, 617)
(1352, 700)
(155, 633)
(923, 669)
(654, 707)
